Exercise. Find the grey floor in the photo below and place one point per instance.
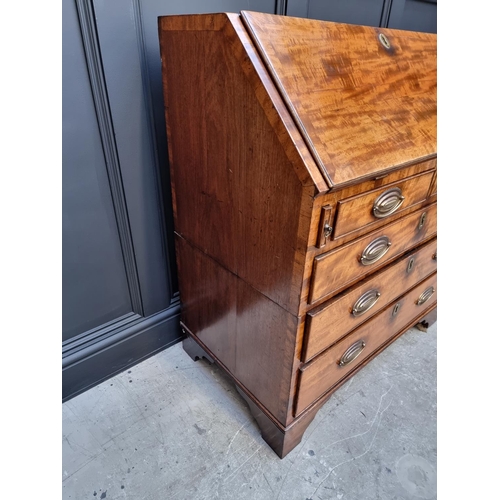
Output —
(171, 428)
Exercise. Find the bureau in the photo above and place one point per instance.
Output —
(303, 168)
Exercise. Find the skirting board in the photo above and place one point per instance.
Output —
(119, 351)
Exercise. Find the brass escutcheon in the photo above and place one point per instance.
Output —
(384, 41)
(411, 263)
(396, 309)
(421, 221)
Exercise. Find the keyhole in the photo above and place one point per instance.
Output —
(410, 265)
(384, 41)
(421, 223)
(396, 309)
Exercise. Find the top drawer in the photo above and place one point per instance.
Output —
(365, 209)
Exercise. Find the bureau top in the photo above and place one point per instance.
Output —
(362, 98)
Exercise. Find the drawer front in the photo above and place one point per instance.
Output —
(329, 322)
(434, 187)
(372, 207)
(324, 372)
(339, 268)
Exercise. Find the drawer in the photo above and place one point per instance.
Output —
(369, 208)
(339, 268)
(329, 368)
(329, 322)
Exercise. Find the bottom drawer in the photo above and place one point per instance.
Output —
(329, 368)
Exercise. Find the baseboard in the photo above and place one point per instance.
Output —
(120, 350)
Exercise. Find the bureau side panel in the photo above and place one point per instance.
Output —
(249, 334)
(208, 297)
(265, 347)
(202, 164)
(237, 195)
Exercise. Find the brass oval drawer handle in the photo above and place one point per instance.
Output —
(425, 296)
(375, 250)
(365, 302)
(352, 353)
(387, 203)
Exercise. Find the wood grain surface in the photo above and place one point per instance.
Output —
(282, 441)
(241, 175)
(339, 268)
(277, 126)
(250, 335)
(434, 187)
(332, 199)
(357, 212)
(362, 108)
(324, 371)
(332, 320)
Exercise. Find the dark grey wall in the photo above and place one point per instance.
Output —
(120, 298)
(365, 12)
(413, 15)
(94, 279)
(120, 301)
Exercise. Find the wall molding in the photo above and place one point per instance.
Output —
(151, 129)
(386, 13)
(280, 7)
(97, 79)
(85, 339)
(124, 347)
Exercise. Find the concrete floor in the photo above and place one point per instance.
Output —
(171, 428)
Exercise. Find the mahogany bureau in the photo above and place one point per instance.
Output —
(303, 169)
